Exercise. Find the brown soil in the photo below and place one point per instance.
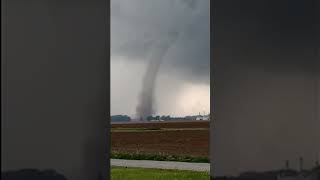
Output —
(180, 142)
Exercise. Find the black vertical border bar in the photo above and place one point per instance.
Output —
(212, 84)
(3, 63)
(107, 135)
(315, 75)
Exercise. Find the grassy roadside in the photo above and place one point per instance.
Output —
(159, 157)
(121, 173)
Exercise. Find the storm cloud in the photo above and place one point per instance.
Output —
(137, 25)
(140, 30)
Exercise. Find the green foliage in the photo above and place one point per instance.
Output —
(159, 157)
(165, 118)
(120, 118)
(122, 173)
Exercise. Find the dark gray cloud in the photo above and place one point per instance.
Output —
(137, 25)
(264, 23)
(191, 3)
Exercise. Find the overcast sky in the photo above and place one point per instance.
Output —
(183, 82)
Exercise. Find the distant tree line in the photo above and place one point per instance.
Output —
(120, 118)
(165, 118)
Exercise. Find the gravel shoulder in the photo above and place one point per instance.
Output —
(161, 165)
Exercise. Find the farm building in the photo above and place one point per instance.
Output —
(203, 118)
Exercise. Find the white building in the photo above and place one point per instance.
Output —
(203, 118)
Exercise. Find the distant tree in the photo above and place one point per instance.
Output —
(149, 118)
(120, 118)
(163, 117)
(157, 117)
(166, 118)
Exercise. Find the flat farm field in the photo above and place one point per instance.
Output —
(165, 138)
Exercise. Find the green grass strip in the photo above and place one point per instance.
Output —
(159, 157)
(122, 173)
